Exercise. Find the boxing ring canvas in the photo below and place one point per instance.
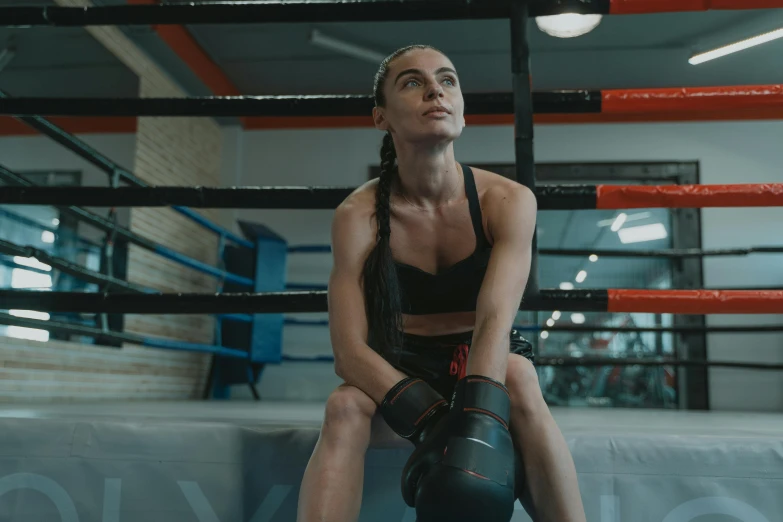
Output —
(243, 462)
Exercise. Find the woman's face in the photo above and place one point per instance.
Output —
(423, 98)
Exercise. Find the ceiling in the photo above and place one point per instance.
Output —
(623, 52)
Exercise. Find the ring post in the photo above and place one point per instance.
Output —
(523, 120)
(262, 337)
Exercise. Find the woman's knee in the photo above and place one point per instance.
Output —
(348, 409)
(523, 386)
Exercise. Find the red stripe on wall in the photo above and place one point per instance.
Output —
(184, 45)
(120, 125)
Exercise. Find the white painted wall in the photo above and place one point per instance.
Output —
(36, 153)
(731, 152)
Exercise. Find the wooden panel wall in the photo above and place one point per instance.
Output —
(169, 151)
(174, 151)
(58, 371)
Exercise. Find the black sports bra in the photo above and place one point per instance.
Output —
(456, 288)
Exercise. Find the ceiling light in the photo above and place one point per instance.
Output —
(632, 217)
(566, 286)
(556, 315)
(56, 222)
(619, 221)
(29, 334)
(593, 258)
(544, 334)
(31, 262)
(550, 322)
(581, 276)
(47, 237)
(643, 233)
(736, 47)
(30, 314)
(568, 25)
(21, 278)
(578, 318)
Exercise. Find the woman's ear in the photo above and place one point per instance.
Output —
(379, 119)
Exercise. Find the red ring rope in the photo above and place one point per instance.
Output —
(668, 6)
(689, 196)
(680, 99)
(697, 301)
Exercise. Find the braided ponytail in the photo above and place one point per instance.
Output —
(381, 287)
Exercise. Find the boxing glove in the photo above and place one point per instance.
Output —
(411, 407)
(415, 411)
(474, 477)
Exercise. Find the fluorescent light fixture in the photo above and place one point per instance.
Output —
(544, 334)
(319, 39)
(566, 286)
(568, 25)
(21, 278)
(581, 276)
(550, 322)
(578, 318)
(619, 221)
(736, 47)
(30, 314)
(56, 222)
(593, 258)
(31, 262)
(29, 334)
(556, 315)
(47, 237)
(631, 217)
(643, 233)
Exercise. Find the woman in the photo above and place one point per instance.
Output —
(430, 264)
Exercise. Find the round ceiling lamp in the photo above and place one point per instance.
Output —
(569, 25)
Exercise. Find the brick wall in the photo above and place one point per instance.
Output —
(169, 151)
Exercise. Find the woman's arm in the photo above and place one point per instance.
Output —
(353, 237)
(511, 216)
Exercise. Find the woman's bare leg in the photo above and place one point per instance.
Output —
(332, 484)
(549, 467)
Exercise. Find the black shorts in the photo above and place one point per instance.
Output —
(441, 360)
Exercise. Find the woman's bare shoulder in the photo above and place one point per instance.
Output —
(491, 185)
(354, 223)
(359, 203)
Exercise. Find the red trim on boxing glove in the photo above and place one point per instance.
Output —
(410, 406)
